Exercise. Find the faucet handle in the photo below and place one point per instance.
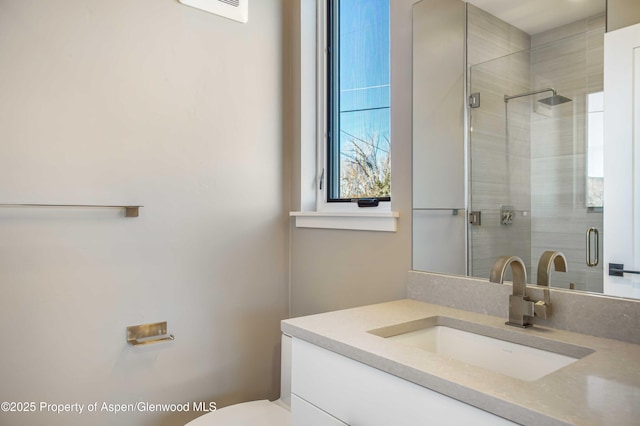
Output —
(542, 309)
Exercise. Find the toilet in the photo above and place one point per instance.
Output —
(258, 413)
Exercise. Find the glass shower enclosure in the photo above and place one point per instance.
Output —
(535, 159)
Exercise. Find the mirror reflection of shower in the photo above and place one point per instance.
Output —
(551, 101)
(553, 158)
(529, 151)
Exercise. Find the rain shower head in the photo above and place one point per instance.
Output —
(552, 100)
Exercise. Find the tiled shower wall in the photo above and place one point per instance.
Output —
(570, 59)
(499, 170)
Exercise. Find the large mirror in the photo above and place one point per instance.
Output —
(509, 138)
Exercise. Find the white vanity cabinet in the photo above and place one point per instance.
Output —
(330, 389)
(307, 414)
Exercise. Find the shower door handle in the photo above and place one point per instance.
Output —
(590, 260)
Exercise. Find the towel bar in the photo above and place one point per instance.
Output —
(130, 211)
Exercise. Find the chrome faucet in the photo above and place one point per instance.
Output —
(549, 257)
(521, 308)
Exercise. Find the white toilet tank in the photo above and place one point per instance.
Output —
(258, 413)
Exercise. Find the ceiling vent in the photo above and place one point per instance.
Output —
(238, 10)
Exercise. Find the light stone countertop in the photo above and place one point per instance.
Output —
(602, 388)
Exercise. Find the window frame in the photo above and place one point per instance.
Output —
(311, 152)
(328, 73)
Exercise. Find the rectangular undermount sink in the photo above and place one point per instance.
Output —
(512, 353)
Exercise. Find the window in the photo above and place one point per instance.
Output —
(344, 61)
(358, 155)
(595, 150)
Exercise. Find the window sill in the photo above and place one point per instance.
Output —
(359, 221)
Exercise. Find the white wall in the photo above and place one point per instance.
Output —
(156, 103)
(333, 269)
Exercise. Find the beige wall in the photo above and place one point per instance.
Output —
(182, 111)
(622, 13)
(332, 269)
(155, 103)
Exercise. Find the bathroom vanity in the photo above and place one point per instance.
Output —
(385, 364)
(329, 386)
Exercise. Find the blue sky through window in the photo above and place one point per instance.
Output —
(364, 74)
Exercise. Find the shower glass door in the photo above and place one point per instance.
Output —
(529, 174)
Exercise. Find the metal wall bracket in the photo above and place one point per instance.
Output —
(617, 270)
(474, 100)
(475, 218)
(131, 211)
(145, 334)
